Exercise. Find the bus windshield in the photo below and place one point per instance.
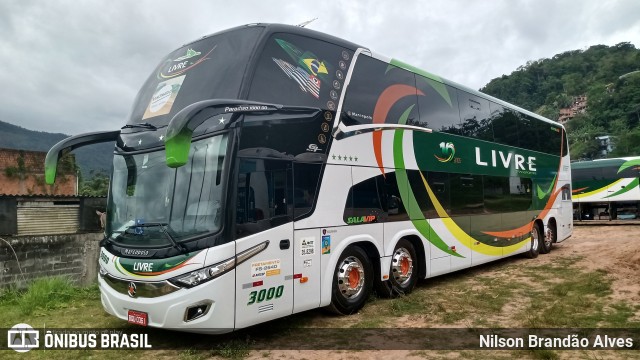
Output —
(211, 68)
(151, 204)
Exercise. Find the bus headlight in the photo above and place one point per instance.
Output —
(208, 273)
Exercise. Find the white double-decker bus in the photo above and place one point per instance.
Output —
(269, 169)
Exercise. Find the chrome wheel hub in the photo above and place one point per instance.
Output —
(402, 266)
(535, 237)
(350, 277)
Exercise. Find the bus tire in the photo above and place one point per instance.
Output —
(536, 233)
(547, 243)
(352, 281)
(403, 274)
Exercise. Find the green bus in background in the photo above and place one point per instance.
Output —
(606, 188)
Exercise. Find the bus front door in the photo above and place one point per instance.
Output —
(264, 282)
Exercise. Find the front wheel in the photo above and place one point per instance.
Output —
(352, 281)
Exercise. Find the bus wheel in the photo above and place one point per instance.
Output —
(403, 274)
(535, 242)
(352, 281)
(547, 243)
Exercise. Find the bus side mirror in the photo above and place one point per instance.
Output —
(69, 144)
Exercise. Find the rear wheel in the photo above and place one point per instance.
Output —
(352, 281)
(536, 233)
(403, 273)
(547, 242)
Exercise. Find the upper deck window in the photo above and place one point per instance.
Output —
(379, 93)
(301, 71)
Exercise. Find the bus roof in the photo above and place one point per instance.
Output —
(601, 163)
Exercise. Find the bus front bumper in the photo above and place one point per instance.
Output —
(206, 308)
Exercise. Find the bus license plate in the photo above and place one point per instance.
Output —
(137, 317)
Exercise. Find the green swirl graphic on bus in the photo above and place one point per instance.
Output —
(447, 150)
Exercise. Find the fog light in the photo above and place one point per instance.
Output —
(196, 311)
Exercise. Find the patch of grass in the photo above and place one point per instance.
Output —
(370, 322)
(193, 354)
(544, 354)
(234, 349)
(47, 294)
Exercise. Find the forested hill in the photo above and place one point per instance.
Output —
(613, 103)
(91, 158)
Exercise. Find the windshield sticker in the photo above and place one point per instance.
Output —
(178, 66)
(163, 98)
(264, 268)
(306, 59)
(308, 83)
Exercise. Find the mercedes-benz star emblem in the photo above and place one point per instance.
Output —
(132, 289)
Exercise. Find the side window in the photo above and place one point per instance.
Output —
(264, 198)
(474, 116)
(438, 107)
(565, 147)
(272, 134)
(306, 178)
(529, 130)
(372, 82)
(506, 194)
(416, 183)
(364, 204)
(505, 125)
(392, 200)
(587, 174)
(566, 192)
(466, 194)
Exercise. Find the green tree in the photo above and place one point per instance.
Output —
(96, 185)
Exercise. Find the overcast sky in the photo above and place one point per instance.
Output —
(76, 66)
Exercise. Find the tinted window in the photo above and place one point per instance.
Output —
(306, 180)
(421, 195)
(438, 106)
(212, 68)
(273, 135)
(506, 194)
(364, 204)
(375, 82)
(264, 198)
(296, 70)
(587, 174)
(392, 199)
(441, 187)
(466, 194)
(474, 115)
(529, 133)
(505, 125)
(565, 147)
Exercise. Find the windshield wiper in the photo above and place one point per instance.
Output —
(145, 125)
(163, 229)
